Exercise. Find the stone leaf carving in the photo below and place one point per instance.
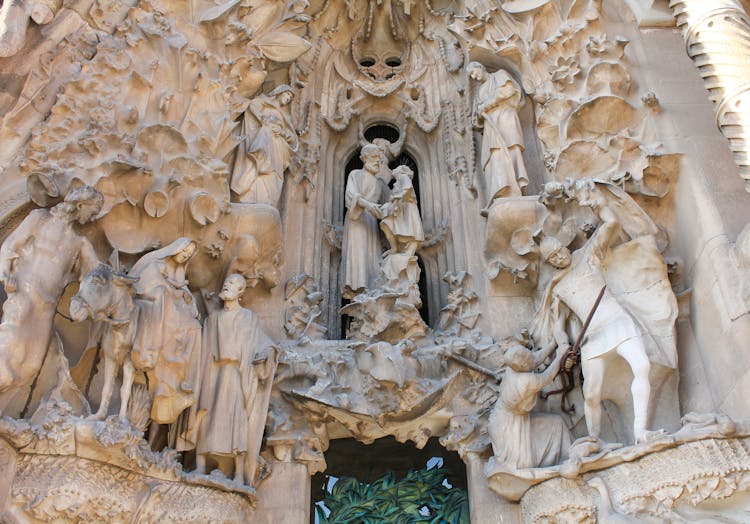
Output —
(151, 121)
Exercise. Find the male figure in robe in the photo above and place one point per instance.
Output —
(361, 250)
(497, 101)
(238, 365)
(37, 261)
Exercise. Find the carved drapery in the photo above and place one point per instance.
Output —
(717, 36)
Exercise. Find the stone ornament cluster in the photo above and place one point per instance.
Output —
(261, 226)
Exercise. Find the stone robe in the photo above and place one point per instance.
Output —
(361, 250)
(522, 439)
(235, 391)
(258, 174)
(498, 100)
(168, 342)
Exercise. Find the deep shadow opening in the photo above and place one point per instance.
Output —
(391, 134)
(368, 463)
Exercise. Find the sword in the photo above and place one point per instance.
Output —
(577, 346)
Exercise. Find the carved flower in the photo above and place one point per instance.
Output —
(602, 47)
(566, 72)
(214, 249)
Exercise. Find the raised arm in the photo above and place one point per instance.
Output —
(544, 353)
(549, 374)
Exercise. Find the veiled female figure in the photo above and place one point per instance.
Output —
(168, 342)
(258, 174)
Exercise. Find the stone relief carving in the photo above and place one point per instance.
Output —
(303, 312)
(513, 429)
(642, 337)
(258, 173)
(37, 261)
(238, 367)
(497, 101)
(361, 244)
(189, 123)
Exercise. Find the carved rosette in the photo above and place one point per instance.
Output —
(717, 35)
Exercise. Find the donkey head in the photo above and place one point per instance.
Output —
(101, 293)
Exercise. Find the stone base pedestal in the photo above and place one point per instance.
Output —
(284, 497)
(705, 479)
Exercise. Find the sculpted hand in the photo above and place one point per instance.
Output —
(374, 210)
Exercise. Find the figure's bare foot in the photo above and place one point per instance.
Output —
(646, 436)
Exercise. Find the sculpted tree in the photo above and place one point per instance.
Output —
(37, 261)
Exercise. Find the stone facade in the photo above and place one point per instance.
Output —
(235, 231)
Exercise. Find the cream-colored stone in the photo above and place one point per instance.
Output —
(225, 139)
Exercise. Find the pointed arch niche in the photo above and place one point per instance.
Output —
(430, 268)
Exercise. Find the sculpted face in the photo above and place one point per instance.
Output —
(186, 254)
(519, 359)
(372, 163)
(559, 258)
(477, 73)
(285, 97)
(87, 211)
(233, 288)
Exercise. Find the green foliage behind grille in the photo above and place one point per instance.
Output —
(388, 501)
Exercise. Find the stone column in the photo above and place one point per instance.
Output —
(486, 506)
(284, 497)
(717, 33)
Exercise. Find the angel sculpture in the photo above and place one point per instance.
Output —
(263, 158)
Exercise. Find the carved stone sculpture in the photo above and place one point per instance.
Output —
(497, 101)
(14, 21)
(238, 365)
(520, 438)
(303, 311)
(258, 174)
(361, 250)
(401, 222)
(167, 346)
(37, 261)
(107, 298)
(630, 273)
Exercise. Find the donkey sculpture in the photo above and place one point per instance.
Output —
(106, 297)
